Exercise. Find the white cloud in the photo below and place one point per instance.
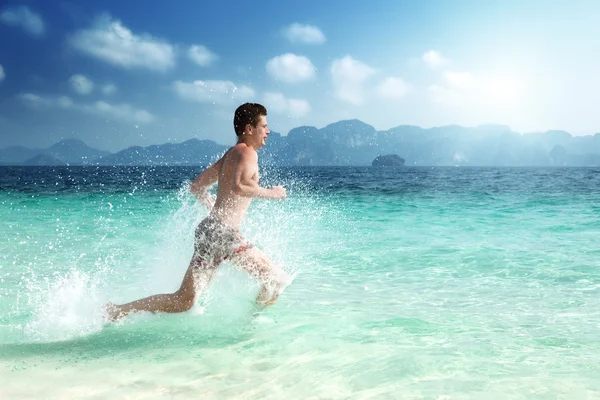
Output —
(64, 102)
(459, 80)
(36, 101)
(32, 99)
(297, 33)
(434, 59)
(124, 112)
(294, 108)
(217, 92)
(201, 55)
(109, 40)
(25, 18)
(477, 90)
(109, 88)
(444, 95)
(81, 84)
(2, 75)
(348, 77)
(392, 88)
(290, 68)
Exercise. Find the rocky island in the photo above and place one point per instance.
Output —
(388, 160)
(344, 143)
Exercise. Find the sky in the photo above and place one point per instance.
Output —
(116, 74)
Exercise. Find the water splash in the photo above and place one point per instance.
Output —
(130, 261)
(67, 308)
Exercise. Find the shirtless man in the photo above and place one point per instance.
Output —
(217, 237)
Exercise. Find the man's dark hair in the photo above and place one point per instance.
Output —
(247, 113)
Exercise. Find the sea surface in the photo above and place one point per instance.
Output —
(409, 283)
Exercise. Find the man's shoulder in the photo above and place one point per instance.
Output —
(244, 151)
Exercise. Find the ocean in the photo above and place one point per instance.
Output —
(409, 283)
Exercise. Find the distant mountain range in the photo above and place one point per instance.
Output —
(68, 151)
(345, 143)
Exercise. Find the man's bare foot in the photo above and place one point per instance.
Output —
(270, 302)
(265, 303)
(112, 312)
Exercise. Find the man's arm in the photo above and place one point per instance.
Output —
(244, 183)
(206, 179)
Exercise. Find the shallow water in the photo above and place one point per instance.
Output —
(412, 283)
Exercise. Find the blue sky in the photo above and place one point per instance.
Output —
(115, 73)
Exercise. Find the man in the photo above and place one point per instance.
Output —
(217, 237)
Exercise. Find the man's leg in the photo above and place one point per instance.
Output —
(194, 282)
(272, 278)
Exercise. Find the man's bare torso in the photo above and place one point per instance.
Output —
(229, 207)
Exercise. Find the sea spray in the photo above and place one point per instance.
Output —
(174, 241)
(68, 307)
(137, 245)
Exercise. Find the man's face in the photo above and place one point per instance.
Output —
(260, 132)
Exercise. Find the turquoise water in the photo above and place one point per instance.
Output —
(416, 283)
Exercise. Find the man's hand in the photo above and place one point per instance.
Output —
(278, 192)
(205, 198)
(199, 187)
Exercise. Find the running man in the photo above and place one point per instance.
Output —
(217, 237)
